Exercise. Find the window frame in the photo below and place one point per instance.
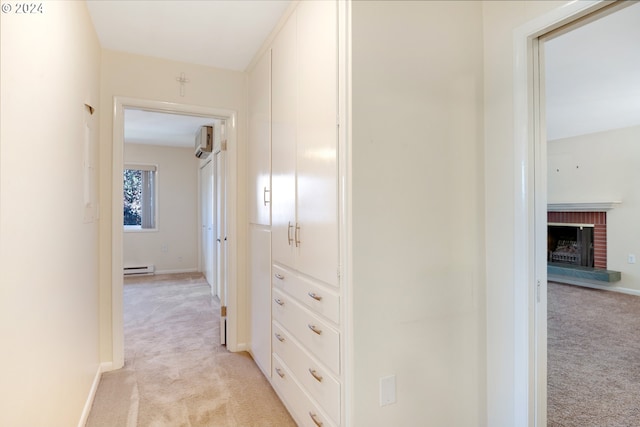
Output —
(143, 167)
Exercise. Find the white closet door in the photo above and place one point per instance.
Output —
(283, 159)
(221, 238)
(259, 151)
(206, 187)
(317, 140)
(260, 296)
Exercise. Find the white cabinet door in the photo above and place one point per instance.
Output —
(260, 296)
(316, 140)
(283, 158)
(259, 150)
(208, 247)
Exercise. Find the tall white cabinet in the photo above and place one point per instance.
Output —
(306, 328)
(259, 162)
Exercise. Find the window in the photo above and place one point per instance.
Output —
(139, 197)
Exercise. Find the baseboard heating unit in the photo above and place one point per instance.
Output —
(139, 270)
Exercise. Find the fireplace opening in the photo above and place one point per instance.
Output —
(570, 244)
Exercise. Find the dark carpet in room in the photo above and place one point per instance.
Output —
(593, 357)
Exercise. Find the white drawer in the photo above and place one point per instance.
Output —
(302, 408)
(315, 379)
(315, 296)
(320, 338)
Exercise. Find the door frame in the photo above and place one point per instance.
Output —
(117, 320)
(530, 314)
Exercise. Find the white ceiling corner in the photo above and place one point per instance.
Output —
(217, 33)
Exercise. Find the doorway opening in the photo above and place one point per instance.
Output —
(223, 116)
(531, 248)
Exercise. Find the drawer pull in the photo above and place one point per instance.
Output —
(315, 375)
(280, 337)
(315, 296)
(279, 372)
(314, 329)
(315, 419)
(279, 276)
(279, 301)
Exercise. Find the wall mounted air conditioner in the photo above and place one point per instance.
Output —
(204, 142)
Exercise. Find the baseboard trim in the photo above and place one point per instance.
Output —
(590, 284)
(92, 394)
(183, 270)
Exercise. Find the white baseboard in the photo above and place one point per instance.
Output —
(183, 270)
(591, 284)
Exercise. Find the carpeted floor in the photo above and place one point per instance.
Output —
(176, 372)
(593, 358)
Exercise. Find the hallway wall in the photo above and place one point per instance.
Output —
(418, 211)
(173, 247)
(50, 67)
(141, 77)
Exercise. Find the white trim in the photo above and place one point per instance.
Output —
(178, 271)
(119, 105)
(591, 284)
(582, 207)
(529, 409)
(86, 410)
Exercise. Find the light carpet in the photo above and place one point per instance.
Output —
(176, 372)
(593, 358)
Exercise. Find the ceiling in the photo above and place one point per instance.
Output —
(156, 128)
(216, 33)
(591, 72)
(592, 76)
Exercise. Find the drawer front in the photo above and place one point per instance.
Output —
(303, 410)
(310, 374)
(320, 339)
(318, 298)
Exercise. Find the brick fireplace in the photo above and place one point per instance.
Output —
(599, 222)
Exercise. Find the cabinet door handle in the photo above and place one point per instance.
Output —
(297, 236)
(264, 196)
(279, 372)
(315, 375)
(279, 301)
(289, 239)
(314, 329)
(279, 276)
(315, 419)
(315, 296)
(279, 337)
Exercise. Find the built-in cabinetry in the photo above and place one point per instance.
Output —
(305, 294)
(259, 166)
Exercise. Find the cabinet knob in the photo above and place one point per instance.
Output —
(315, 375)
(279, 337)
(279, 301)
(289, 239)
(279, 276)
(314, 328)
(315, 419)
(279, 372)
(264, 196)
(315, 296)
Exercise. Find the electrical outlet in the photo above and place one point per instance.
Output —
(387, 390)
(631, 259)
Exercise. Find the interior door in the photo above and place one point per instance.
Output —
(221, 235)
(206, 209)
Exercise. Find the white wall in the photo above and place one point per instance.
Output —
(174, 246)
(418, 212)
(48, 253)
(603, 167)
(500, 19)
(141, 77)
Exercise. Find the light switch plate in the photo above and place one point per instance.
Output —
(387, 390)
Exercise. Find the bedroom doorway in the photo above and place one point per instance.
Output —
(228, 116)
